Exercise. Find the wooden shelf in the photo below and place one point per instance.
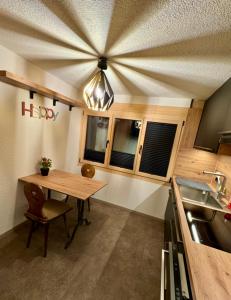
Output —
(21, 82)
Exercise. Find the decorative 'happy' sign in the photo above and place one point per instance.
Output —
(39, 112)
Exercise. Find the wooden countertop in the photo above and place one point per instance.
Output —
(209, 268)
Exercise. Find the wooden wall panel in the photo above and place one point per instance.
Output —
(191, 125)
(224, 149)
(191, 163)
(154, 111)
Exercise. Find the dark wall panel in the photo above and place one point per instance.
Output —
(216, 117)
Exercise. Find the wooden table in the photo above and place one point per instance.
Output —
(70, 184)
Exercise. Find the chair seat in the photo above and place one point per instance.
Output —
(54, 208)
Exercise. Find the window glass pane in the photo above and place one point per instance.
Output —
(125, 140)
(96, 139)
(157, 148)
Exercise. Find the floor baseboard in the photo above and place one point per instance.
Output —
(15, 228)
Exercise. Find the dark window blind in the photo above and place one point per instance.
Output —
(122, 160)
(157, 148)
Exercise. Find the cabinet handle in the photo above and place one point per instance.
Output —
(163, 275)
(140, 149)
(176, 227)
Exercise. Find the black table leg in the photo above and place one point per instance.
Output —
(79, 211)
(84, 219)
(80, 219)
(48, 194)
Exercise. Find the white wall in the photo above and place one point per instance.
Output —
(147, 197)
(23, 140)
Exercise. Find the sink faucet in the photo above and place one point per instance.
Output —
(221, 189)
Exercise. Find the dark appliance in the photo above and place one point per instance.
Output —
(174, 276)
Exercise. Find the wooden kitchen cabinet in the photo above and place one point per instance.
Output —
(216, 117)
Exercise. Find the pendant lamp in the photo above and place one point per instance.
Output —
(98, 93)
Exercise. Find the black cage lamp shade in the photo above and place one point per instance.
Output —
(98, 93)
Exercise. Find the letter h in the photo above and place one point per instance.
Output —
(24, 109)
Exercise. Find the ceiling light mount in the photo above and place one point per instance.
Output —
(102, 63)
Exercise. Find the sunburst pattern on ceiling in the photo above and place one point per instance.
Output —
(155, 48)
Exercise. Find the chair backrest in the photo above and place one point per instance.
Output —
(88, 170)
(35, 198)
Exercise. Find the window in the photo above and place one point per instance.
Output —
(140, 145)
(96, 139)
(125, 141)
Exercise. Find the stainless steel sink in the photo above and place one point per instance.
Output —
(199, 196)
(205, 215)
(205, 218)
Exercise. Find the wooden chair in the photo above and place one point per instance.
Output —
(88, 171)
(42, 211)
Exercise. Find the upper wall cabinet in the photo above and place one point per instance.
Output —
(216, 118)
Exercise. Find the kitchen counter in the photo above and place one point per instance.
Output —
(209, 269)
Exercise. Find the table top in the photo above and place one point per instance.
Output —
(67, 183)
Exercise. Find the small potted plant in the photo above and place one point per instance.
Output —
(45, 165)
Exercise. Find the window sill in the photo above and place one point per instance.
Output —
(127, 174)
